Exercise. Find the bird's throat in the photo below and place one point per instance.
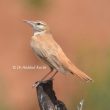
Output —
(39, 32)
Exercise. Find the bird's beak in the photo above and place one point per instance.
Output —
(29, 22)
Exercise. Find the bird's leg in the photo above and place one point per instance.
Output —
(47, 74)
(54, 75)
(36, 84)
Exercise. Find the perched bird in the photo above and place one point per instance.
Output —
(47, 49)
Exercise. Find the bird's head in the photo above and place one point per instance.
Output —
(38, 26)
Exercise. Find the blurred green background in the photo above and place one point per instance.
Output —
(82, 28)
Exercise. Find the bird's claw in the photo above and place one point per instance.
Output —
(36, 84)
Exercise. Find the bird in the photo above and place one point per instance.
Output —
(49, 51)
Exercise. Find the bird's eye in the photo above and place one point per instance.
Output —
(38, 23)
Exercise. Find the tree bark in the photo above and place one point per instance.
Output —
(47, 98)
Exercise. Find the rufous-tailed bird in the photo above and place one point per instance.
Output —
(50, 52)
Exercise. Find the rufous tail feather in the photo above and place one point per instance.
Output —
(80, 74)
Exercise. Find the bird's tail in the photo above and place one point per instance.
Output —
(79, 73)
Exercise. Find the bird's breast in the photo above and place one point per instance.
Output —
(35, 44)
(38, 47)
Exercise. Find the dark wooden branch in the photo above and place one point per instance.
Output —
(47, 98)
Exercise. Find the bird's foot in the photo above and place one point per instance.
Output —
(36, 84)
